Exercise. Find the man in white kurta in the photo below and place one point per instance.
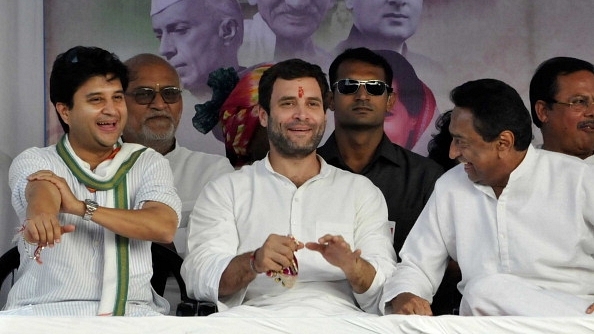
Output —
(90, 206)
(524, 242)
(153, 123)
(68, 282)
(236, 213)
(155, 104)
(290, 209)
(192, 170)
(541, 231)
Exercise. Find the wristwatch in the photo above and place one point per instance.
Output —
(90, 208)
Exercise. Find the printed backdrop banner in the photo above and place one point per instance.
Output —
(433, 46)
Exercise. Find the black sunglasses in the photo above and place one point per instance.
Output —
(351, 86)
(147, 95)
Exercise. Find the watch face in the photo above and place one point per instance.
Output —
(90, 207)
(90, 201)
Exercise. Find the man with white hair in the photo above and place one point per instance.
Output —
(197, 37)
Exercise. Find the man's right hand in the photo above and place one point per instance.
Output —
(276, 253)
(408, 303)
(45, 230)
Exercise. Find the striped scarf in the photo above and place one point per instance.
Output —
(116, 247)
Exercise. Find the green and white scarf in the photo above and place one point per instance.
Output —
(116, 248)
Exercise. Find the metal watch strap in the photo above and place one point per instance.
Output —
(90, 208)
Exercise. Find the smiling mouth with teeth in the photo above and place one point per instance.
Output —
(107, 124)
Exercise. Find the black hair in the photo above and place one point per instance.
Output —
(496, 107)
(288, 70)
(439, 145)
(363, 55)
(74, 67)
(544, 85)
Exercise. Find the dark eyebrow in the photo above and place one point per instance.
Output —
(93, 94)
(287, 98)
(314, 98)
(457, 136)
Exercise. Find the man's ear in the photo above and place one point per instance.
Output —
(505, 141)
(331, 100)
(228, 30)
(64, 112)
(392, 98)
(349, 4)
(542, 111)
(263, 116)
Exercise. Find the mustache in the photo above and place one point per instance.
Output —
(300, 123)
(586, 124)
(159, 114)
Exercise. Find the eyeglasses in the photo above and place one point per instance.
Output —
(147, 95)
(351, 86)
(578, 103)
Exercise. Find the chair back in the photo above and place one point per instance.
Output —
(9, 264)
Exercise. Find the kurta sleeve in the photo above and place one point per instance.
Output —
(212, 243)
(424, 259)
(373, 237)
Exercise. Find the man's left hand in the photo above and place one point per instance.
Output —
(336, 251)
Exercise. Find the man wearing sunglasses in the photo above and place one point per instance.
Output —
(561, 98)
(154, 101)
(360, 99)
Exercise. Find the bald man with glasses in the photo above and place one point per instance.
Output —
(155, 103)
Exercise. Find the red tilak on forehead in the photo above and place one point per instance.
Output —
(300, 92)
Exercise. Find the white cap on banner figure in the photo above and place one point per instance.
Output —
(198, 37)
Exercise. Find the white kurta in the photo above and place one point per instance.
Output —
(540, 230)
(70, 279)
(238, 211)
(191, 172)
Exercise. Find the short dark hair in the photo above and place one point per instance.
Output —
(288, 70)
(363, 55)
(496, 107)
(544, 85)
(74, 67)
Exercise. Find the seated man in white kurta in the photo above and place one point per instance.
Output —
(290, 213)
(90, 205)
(518, 220)
(155, 105)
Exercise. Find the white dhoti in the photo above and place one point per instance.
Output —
(503, 294)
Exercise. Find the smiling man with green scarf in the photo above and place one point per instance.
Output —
(90, 205)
